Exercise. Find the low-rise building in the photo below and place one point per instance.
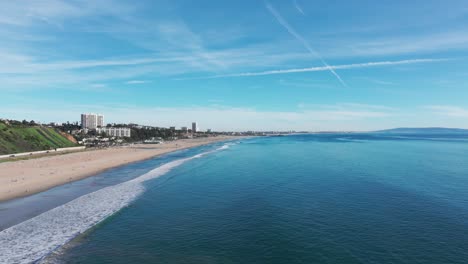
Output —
(153, 140)
(115, 131)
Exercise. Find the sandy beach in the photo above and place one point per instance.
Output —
(26, 177)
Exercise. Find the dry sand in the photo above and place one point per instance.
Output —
(26, 177)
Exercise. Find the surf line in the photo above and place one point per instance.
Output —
(36, 238)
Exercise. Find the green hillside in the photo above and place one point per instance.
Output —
(17, 138)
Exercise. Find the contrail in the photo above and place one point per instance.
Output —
(323, 68)
(296, 5)
(291, 31)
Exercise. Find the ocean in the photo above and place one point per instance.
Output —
(315, 198)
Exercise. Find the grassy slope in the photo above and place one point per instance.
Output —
(23, 139)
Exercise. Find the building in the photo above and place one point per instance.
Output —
(208, 130)
(115, 131)
(153, 140)
(92, 121)
(194, 127)
(100, 121)
(184, 129)
(88, 121)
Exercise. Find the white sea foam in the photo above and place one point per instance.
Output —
(37, 237)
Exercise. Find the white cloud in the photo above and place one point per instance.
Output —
(136, 82)
(20, 64)
(375, 81)
(18, 70)
(417, 43)
(305, 83)
(370, 106)
(98, 85)
(54, 12)
(448, 111)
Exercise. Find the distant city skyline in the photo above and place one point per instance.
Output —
(237, 65)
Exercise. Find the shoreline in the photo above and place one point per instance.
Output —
(26, 177)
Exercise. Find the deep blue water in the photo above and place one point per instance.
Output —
(325, 198)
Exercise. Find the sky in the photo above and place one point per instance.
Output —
(237, 65)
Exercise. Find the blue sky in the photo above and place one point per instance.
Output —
(237, 65)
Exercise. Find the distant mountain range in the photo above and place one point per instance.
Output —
(425, 130)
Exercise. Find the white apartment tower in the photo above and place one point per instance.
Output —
(194, 127)
(100, 121)
(92, 121)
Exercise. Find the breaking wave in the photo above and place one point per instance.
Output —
(34, 239)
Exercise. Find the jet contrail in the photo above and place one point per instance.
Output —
(296, 5)
(291, 31)
(323, 68)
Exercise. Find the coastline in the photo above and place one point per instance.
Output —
(26, 177)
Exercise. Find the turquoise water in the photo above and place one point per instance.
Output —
(297, 199)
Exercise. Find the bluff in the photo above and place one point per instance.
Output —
(16, 137)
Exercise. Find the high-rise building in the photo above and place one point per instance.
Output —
(100, 121)
(194, 127)
(92, 121)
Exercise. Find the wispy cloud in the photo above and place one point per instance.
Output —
(448, 111)
(20, 63)
(135, 82)
(304, 83)
(19, 70)
(360, 106)
(55, 12)
(324, 68)
(376, 44)
(304, 42)
(98, 85)
(375, 81)
(350, 109)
